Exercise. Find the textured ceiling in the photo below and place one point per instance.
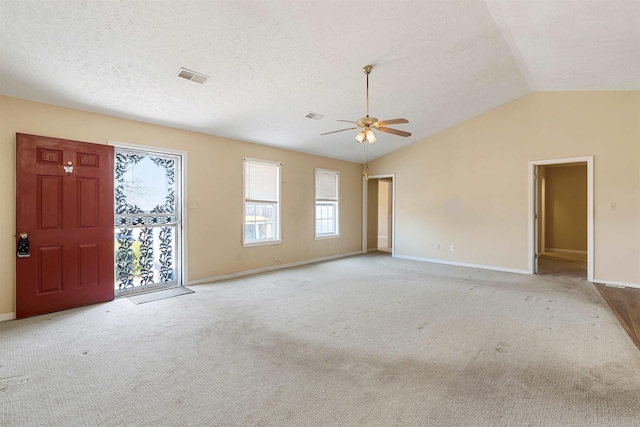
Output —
(436, 63)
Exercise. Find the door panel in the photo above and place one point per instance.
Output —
(68, 216)
(49, 196)
(88, 202)
(89, 264)
(50, 271)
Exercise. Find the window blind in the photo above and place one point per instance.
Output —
(261, 181)
(326, 185)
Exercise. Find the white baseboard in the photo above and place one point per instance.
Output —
(565, 251)
(463, 264)
(265, 269)
(7, 316)
(617, 284)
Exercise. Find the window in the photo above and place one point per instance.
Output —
(327, 190)
(261, 202)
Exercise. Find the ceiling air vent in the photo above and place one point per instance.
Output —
(192, 75)
(314, 116)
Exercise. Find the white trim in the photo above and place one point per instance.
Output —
(565, 251)
(328, 170)
(182, 183)
(327, 236)
(590, 220)
(261, 243)
(7, 316)
(536, 219)
(393, 214)
(463, 264)
(542, 217)
(365, 210)
(148, 148)
(617, 284)
(270, 268)
(264, 162)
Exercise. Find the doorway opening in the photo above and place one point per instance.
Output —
(148, 220)
(378, 214)
(561, 217)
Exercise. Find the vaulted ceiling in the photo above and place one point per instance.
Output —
(270, 63)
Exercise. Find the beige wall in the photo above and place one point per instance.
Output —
(468, 185)
(214, 179)
(566, 208)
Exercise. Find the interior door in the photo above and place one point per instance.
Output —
(64, 204)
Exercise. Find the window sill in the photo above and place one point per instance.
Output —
(261, 243)
(327, 236)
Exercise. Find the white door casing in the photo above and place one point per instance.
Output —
(533, 236)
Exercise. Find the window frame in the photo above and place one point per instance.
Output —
(277, 239)
(317, 200)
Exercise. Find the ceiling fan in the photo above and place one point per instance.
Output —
(368, 123)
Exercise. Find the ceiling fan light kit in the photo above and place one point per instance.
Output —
(369, 136)
(367, 123)
(366, 135)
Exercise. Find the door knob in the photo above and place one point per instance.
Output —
(23, 246)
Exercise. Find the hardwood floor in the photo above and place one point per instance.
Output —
(625, 303)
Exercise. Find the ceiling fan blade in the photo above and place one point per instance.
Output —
(394, 131)
(341, 130)
(390, 122)
(347, 121)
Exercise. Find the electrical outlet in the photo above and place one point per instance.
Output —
(193, 205)
(451, 248)
(438, 247)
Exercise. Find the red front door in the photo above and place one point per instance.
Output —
(64, 203)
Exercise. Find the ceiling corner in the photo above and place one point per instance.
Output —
(496, 12)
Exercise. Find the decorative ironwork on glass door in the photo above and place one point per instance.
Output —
(147, 220)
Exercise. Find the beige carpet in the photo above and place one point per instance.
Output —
(363, 341)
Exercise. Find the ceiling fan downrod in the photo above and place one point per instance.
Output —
(367, 70)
